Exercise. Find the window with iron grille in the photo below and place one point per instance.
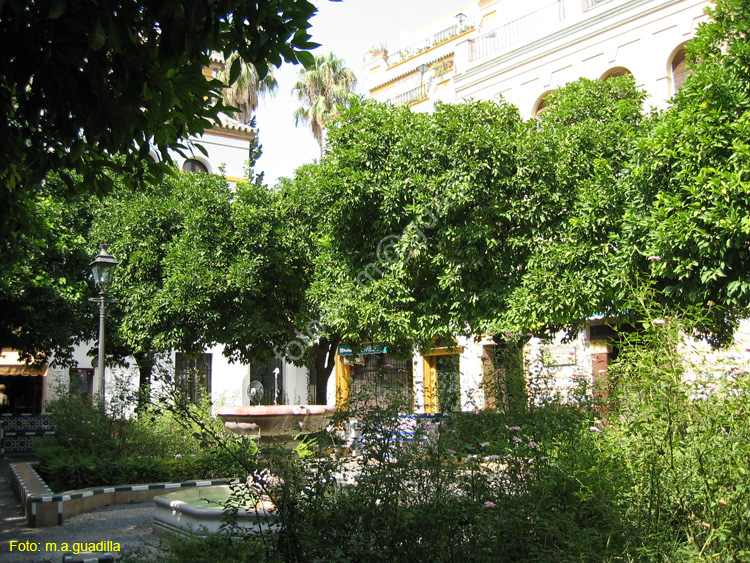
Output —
(81, 382)
(383, 376)
(193, 376)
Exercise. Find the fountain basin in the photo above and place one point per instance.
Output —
(275, 420)
(198, 512)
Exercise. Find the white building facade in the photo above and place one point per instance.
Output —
(520, 51)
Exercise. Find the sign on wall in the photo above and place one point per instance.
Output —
(559, 356)
(364, 349)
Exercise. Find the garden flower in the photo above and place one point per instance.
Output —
(533, 445)
(654, 258)
(659, 321)
(490, 504)
(594, 429)
(558, 444)
(517, 440)
(514, 429)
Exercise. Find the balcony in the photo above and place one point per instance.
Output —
(429, 42)
(519, 30)
(410, 96)
(588, 4)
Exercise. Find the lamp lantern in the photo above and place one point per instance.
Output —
(103, 268)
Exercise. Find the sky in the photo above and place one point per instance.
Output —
(349, 29)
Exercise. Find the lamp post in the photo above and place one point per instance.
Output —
(102, 267)
(422, 69)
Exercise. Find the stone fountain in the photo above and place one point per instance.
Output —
(282, 422)
(199, 510)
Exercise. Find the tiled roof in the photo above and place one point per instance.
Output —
(234, 125)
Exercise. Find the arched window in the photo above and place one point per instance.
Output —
(194, 165)
(679, 69)
(617, 71)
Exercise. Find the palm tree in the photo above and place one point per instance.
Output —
(327, 84)
(243, 93)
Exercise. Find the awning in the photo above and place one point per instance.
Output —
(10, 364)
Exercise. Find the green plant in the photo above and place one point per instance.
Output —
(658, 473)
(92, 447)
(205, 550)
(685, 439)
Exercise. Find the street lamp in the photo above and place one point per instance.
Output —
(102, 267)
(422, 69)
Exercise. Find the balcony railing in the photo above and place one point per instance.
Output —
(433, 40)
(518, 30)
(588, 4)
(410, 96)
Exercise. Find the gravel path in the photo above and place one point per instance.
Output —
(126, 524)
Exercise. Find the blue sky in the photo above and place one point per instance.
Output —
(348, 28)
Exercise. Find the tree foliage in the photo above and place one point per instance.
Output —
(412, 223)
(205, 263)
(320, 89)
(244, 92)
(43, 296)
(470, 220)
(83, 81)
(688, 222)
(571, 160)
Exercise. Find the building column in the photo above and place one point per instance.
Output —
(343, 383)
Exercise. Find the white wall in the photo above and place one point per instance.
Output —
(224, 151)
(637, 34)
(229, 381)
(296, 381)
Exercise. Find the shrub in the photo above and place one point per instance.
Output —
(92, 447)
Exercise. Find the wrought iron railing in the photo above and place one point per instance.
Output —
(518, 30)
(588, 4)
(410, 96)
(433, 40)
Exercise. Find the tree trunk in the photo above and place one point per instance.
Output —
(146, 362)
(325, 353)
